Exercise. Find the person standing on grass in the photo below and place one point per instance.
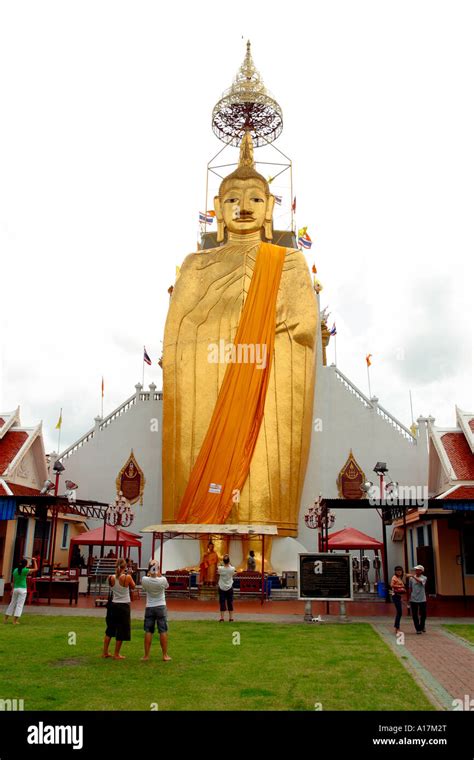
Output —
(155, 584)
(20, 574)
(118, 611)
(226, 574)
(398, 588)
(418, 598)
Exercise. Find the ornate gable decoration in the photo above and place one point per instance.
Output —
(350, 479)
(131, 480)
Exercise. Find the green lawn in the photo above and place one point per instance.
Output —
(464, 631)
(275, 667)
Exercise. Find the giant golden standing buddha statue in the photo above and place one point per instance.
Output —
(239, 366)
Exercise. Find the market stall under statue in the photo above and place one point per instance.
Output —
(239, 369)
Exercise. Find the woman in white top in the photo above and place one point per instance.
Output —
(226, 574)
(118, 610)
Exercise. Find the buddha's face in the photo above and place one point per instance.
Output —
(243, 205)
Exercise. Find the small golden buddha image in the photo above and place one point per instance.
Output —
(208, 566)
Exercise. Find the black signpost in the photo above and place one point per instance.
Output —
(325, 577)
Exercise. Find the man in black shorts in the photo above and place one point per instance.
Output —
(155, 611)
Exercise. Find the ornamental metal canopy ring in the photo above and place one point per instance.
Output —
(247, 106)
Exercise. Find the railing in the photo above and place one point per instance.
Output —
(352, 388)
(118, 412)
(122, 409)
(399, 427)
(85, 438)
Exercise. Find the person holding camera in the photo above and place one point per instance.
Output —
(155, 584)
(20, 574)
(226, 574)
(118, 610)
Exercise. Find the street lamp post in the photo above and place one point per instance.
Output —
(318, 516)
(58, 468)
(381, 470)
(119, 515)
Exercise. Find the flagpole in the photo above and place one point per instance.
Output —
(368, 378)
(143, 368)
(335, 350)
(102, 400)
(411, 407)
(291, 196)
(60, 426)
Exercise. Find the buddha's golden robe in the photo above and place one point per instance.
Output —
(205, 310)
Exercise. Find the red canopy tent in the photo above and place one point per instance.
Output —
(351, 538)
(118, 537)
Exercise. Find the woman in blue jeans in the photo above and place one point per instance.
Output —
(398, 588)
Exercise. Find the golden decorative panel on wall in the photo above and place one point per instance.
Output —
(131, 480)
(350, 479)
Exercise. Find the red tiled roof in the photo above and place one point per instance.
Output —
(22, 490)
(462, 492)
(10, 445)
(459, 454)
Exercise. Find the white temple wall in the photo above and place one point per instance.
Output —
(342, 422)
(95, 465)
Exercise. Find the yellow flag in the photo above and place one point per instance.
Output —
(302, 232)
(178, 270)
(60, 421)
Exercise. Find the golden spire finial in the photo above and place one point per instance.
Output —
(248, 65)
(246, 150)
(247, 105)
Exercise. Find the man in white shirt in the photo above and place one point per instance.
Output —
(155, 611)
(226, 574)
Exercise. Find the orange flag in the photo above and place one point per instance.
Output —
(367, 359)
(223, 463)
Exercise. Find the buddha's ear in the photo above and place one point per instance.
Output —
(270, 207)
(218, 208)
(268, 226)
(220, 219)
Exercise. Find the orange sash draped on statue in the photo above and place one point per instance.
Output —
(223, 462)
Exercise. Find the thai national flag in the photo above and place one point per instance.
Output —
(305, 241)
(146, 358)
(205, 218)
(333, 330)
(278, 199)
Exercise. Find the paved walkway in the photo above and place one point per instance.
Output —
(257, 614)
(441, 662)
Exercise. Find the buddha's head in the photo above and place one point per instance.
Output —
(244, 204)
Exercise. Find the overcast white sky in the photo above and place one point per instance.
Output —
(104, 139)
